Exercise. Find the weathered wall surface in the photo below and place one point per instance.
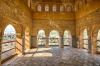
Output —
(54, 15)
(16, 10)
(88, 18)
(18, 14)
(49, 25)
(88, 21)
(50, 20)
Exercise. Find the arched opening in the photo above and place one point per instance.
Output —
(8, 43)
(39, 7)
(85, 38)
(54, 8)
(98, 41)
(67, 38)
(54, 38)
(46, 8)
(69, 8)
(41, 38)
(61, 8)
(80, 4)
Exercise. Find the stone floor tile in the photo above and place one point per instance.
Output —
(55, 56)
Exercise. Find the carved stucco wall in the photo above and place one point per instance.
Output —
(16, 13)
(88, 18)
(49, 21)
(51, 2)
(49, 25)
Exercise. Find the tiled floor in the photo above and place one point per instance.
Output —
(56, 56)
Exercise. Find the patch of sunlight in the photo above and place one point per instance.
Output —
(43, 55)
(28, 55)
(33, 50)
(43, 49)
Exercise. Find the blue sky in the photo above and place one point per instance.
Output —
(9, 29)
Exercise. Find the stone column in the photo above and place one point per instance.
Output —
(58, 8)
(27, 42)
(94, 45)
(81, 45)
(23, 44)
(47, 39)
(77, 42)
(74, 41)
(47, 42)
(61, 42)
(50, 8)
(89, 44)
(23, 41)
(43, 7)
(33, 42)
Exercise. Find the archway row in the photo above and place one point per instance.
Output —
(11, 43)
(95, 46)
(98, 41)
(8, 42)
(54, 38)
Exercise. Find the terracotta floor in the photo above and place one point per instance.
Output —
(56, 56)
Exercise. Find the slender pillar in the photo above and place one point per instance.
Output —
(47, 39)
(78, 45)
(23, 41)
(81, 44)
(74, 41)
(23, 45)
(27, 40)
(47, 42)
(61, 43)
(43, 7)
(31, 42)
(50, 8)
(94, 44)
(34, 42)
(89, 44)
(58, 8)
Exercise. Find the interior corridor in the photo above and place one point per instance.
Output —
(55, 56)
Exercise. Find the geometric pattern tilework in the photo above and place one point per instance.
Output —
(55, 56)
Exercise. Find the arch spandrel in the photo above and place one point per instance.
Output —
(95, 31)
